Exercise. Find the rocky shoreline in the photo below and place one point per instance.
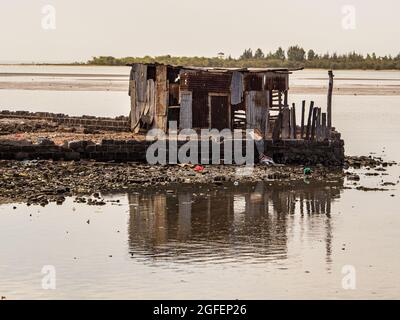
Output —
(41, 182)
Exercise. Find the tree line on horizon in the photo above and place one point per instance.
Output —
(294, 57)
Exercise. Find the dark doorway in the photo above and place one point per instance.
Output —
(219, 112)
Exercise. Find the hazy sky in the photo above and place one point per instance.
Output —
(86, 28)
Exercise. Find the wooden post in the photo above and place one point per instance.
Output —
(314, 123)
(285, 99)
(329, 109)
(132, 92)
(286, 123)
(293, 125)
(318, 125)
(324, 131)
(303, 113)
(310, 113)
(276, 133)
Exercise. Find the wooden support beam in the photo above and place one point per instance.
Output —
(309, 122)
(286, 123)
(132, 91)
(324, 130)
(293, 125)
(276, 134)
(285, 99)
(330, 92)
(318, 127)
(303, 113)
(314, 123)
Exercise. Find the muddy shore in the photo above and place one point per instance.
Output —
(43, 182)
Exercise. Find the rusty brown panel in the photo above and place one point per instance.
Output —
(275, 81)
(261, 99)
(219, 112)
(211, 82)
(200, 110)
(253, 82)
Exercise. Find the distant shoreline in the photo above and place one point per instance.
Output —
(119, 66)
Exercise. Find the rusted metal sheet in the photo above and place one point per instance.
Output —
(212, 82)
(257, 103)
(185, 121)
(253, 81)
(237, 88)
(276, 81)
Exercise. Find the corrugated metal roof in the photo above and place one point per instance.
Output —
(218, 69)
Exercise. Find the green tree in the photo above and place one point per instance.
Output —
(280, 54)
(311, 55)
(259, 54)
(247, 54)
(296, 53)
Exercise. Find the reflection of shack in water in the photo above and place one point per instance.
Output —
(250, 221)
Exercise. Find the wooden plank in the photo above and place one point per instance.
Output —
(277, 128)
(309, 122)
(303, 113)
(329, 109)
(185, 121)
(132, 90)
(318, 125)
(285, 99)
(285, 123)
(162, 97)
(324, 130)
(314, 123)
(293, 125)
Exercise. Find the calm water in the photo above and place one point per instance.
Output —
(248, 241)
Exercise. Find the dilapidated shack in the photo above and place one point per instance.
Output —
(219, 98)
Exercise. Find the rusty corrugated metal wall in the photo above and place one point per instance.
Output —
(201, 84)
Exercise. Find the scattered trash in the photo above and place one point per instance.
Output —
(307, 171)
(199, 168)
(266, 161)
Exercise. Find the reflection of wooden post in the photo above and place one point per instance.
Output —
(329, 111)
(303, 113)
